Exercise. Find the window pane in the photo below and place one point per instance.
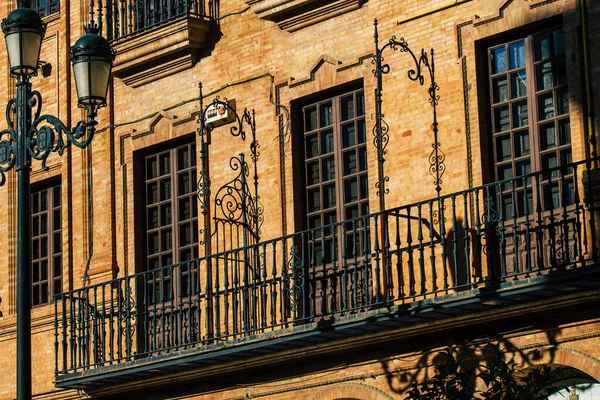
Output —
(326, 114)
(362, 131)
(545, 106)
(328, 168)
(550, 161)
(543, 76)
(562, 102)
(360, 104)
(152, 193)
(500, 89)
(547, 136)
(165, 215)
(329, 199)
(56, 196)
(561, 71)
(350, 190)
(498, 60)
(347, 106)
(184, 184)
(564, 128)
(312, 146)
(518, 85)
(310, 119)
(520, 116)
(348, 135)
(152, 220)
(314, 200)
(350, 162)
(559, 42)
(362, 158)
(503, 151)
(165, 189)
(327, 141)
(542, 47)
(501, 119)
(521, 143)
(364, 187)
(517, 55)
(151, 168)
(165, 163)
(312, 173)
(183, 158)
(185, 209)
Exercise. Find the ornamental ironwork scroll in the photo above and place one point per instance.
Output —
(424, 64)
(47, 135)
(232, 219)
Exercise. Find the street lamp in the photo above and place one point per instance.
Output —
(30, 135)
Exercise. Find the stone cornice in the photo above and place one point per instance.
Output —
(292, 15)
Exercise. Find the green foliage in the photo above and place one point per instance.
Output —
(456, 379)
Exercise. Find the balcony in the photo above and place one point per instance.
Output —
(155, 38)
(502, 244)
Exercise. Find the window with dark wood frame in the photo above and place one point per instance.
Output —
(335, 168)
(530, 120)
(46, 244)
(171, 208)
(46, 7)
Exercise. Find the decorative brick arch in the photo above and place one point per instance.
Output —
(575, 358)
(350, 391)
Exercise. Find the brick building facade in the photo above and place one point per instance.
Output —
(312, 245)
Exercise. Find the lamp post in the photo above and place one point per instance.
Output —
(34, 136)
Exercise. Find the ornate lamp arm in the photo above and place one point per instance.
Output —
(46, 135)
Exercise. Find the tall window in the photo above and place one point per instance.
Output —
(171, 206)
(530, 119)
(46, 244)
(335, 164)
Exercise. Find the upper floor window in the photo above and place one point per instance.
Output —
(46, 7)
(530, 121)
(46, 244)
(171, 206)
(335, 165)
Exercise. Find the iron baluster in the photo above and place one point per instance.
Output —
(467, 230)
(144, 312)
(217, 300)
(199, 306)
(432, 250)
(502, 219)
(274, 284)
(410, 263)
(344, 287)
(477, 245)
(56, 336)
(564, 199)
(399, 266)
(226, 293)
(190, 298)
(265, 287)
(578, 225)
(539, 243)
(421, 249)
(527, 226)
(442, 222)
(389, 285)
(455, 259)
(515, 227)
(355, 283)
(64, 333)
(111, 343)
(334, 269)
(179, 340)
(550, 206)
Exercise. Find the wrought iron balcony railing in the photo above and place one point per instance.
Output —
(128, 17)
(514, 229)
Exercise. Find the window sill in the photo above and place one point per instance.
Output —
(161, 51)
(297, 14)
